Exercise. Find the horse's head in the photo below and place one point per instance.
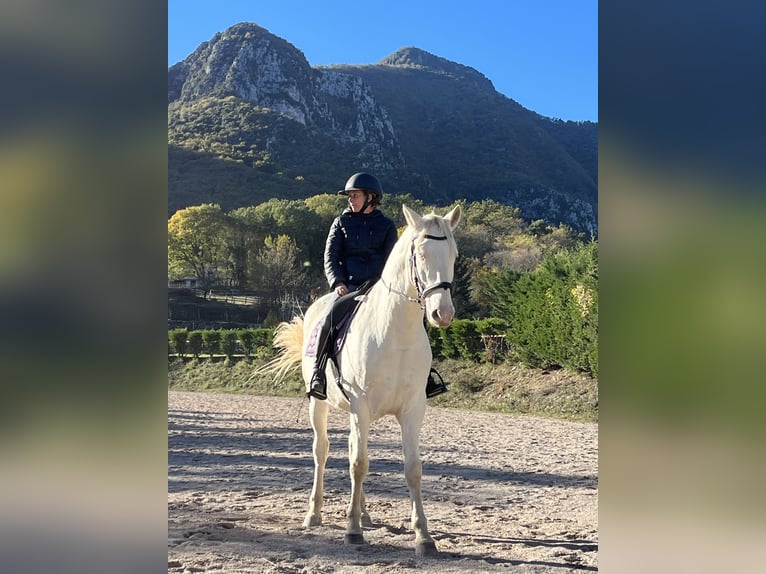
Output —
(433, 261)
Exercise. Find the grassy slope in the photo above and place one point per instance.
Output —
(500, 388)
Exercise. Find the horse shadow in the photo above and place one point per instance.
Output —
(205, 446)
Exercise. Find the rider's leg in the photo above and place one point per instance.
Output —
(317, 386)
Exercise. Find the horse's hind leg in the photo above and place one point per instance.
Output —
(359, 464)
(413, 471)
(318, 416)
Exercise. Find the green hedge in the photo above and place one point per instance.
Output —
(221, 341)
(229, 343)
(246, 340)
(478, 341)
(195, 343)
(177, 339)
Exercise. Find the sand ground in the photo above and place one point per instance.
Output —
(501, 492)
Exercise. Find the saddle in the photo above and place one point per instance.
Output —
(342, 313)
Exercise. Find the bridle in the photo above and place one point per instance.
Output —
(421, 288)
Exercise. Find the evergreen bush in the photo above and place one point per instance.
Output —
(448, 348)
(247, 340)
(229, 343)
(263, 338)
(212, 340)
(177, 339)
(553, 311)
(195, 343)
(435, 338)
(466, 340)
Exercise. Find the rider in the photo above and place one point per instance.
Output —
(358, 244)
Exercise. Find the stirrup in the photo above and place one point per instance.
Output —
(435, 387)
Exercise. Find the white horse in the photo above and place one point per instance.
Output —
(384, 363)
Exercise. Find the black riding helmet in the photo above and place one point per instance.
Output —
(364, 182)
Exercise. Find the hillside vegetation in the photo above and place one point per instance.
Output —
(249, 119)
(533, 284)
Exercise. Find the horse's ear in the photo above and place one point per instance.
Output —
(454, 216)
(414, 220)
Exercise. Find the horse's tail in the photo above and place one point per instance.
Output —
(288, 340)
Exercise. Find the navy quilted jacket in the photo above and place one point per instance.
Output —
(357, 247)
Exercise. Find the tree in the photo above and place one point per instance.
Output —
(238, 249)
(392, 207)
(278, 267)
(196, 243)
(326, 206)
(465, 305)
(292, 218)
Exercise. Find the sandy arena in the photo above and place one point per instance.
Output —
(502, 493)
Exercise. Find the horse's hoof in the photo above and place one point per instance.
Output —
(312, 520)
(353, 538)
(426, 548)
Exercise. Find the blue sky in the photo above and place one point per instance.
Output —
(541, 53)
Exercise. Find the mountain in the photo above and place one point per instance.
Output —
(250, 119)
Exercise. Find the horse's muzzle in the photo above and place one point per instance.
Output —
(442, 316)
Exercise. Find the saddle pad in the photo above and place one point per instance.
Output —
(339, 330)
(311, 348)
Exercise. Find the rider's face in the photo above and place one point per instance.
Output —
(356, 200)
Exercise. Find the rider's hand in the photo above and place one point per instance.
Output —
(341, 290)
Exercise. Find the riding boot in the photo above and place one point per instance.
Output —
(435, 384)
(318, 383)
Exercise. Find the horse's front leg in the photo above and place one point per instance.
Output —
(366, 519)
(359, 464)
(318, 416)
(413, 471)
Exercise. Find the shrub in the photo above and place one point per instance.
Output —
(435, 338)
(195, 343)
(263, 338)
(465, 339)
(212, 340)
(177, 339)
(247, 340)
(448, 348)
(553, 311)
(229, 344)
